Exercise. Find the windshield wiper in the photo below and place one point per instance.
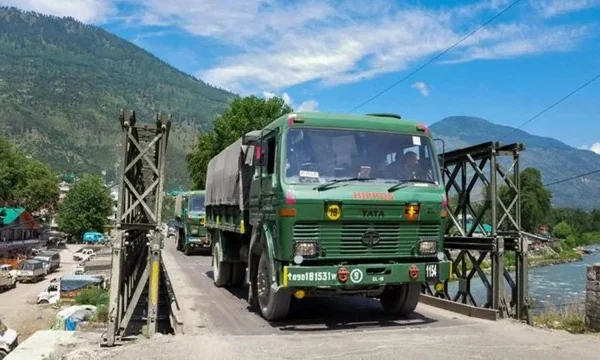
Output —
(404, 182)
(328, 185)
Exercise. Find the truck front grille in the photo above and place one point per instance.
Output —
(339, 240)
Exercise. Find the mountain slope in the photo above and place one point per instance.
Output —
(555, 159)
(62, 84)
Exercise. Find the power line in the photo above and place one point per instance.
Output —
(554, 104)
(572, 178)
(435, 57)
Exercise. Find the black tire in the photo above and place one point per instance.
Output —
(43, 302)
(221, 269)
(238, 274)
(273, 306)
(187, 250)
(401, 300)
(3, 354)
(179, 242)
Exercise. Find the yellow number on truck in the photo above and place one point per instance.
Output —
(334, 212)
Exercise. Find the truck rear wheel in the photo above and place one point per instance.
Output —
(238, 274)
(221, 269)
(179, 241)
(273, 305)
(401, 300)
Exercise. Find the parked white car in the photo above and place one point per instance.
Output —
(8, 278)
(84, 255)
(9, 339)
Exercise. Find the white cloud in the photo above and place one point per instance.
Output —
(86, 11)
(422, 87)
(594, 148)
(551, 8)
(308, 105)
(351, 48)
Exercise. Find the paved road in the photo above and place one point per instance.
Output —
(225, 312)
(217, 325)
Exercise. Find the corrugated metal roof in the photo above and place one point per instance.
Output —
(9, 215)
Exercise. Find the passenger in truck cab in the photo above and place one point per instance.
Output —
(404, 167)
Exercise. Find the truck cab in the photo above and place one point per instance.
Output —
(189, 219)
(319, 204)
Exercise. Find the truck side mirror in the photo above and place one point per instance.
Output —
(441, 156)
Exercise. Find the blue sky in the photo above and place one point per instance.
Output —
(332, 55)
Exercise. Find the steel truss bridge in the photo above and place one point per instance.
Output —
(141, 297)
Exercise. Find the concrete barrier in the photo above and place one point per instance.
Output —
(592, 297)
(40, 345)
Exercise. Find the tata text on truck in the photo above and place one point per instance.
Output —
(324, 204)
(189, 217)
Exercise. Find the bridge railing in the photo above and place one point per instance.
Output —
(483, 236)
(137, 276)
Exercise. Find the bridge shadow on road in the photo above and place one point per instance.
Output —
(336, 313)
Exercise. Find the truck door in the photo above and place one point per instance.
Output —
(266, 181)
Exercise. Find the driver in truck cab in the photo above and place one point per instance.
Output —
(404, 167)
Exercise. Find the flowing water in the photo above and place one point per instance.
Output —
(557, 285)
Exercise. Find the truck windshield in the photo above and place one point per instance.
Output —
(197, 203)
(322, 155)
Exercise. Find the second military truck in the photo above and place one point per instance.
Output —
(189, 220)
(320, 204)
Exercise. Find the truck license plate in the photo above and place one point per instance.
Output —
(431, 271)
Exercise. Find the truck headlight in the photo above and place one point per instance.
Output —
(427, 247)
(305, 248)
(194, 229)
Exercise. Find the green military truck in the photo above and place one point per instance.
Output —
(320, 204)
(189, 219)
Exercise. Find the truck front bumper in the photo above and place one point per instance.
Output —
(362, 275)
(199, 242)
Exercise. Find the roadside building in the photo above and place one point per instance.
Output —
(18, 229)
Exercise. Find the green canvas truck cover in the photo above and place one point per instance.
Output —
(229, 175)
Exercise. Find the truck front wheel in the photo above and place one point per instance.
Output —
(401, 300)
(273, 305)
(221, 269)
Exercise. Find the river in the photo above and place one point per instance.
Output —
(556, 285)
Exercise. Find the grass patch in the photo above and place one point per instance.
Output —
(98, 298)
(570, 318)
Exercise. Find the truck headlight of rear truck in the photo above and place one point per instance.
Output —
(427, 247)
(194, 229)
(306, 248)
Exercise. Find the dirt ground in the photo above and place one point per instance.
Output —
(18, 308)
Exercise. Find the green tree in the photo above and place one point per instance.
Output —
(243, 115)
(24, 181)
(86, 207)
(168, 208)
(40, 188)
(562, 230)
(535, 199)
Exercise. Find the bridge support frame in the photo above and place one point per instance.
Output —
(138, 240)
(468, 244)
